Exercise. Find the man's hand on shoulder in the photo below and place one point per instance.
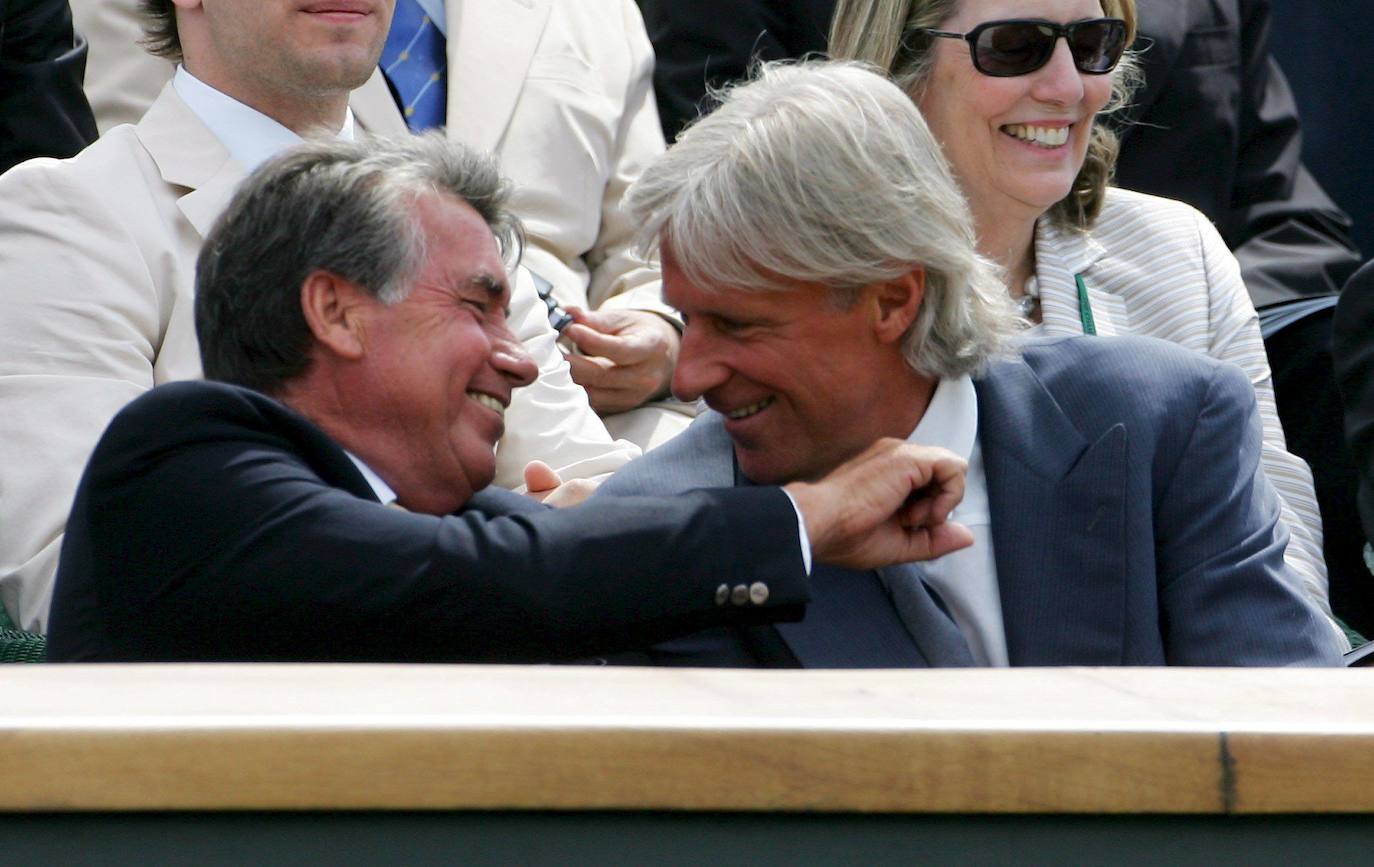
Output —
(627, 356)
(891, 504)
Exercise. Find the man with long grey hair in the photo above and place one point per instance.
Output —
(823, 259)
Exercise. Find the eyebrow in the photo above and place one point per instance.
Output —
(495, 286)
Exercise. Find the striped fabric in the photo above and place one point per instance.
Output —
(1157, 267)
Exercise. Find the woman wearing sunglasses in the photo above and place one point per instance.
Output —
(1013, 90)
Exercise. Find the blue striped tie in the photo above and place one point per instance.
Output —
(414, 62)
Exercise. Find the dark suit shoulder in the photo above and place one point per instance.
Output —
(1154, 371)
(1156, 388)
(181, 415)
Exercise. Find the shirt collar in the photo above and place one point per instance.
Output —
(384, 493)
(250, 136)
(951, 419)
(435, 10)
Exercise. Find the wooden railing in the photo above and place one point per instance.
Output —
(1099, 741)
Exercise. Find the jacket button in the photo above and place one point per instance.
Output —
(740, 595)
(758, 593)
(722, 594)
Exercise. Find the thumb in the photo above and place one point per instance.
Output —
(540, 477)
(596, 320)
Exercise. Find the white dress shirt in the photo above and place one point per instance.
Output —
(385, 495)
(250, 136)
(966, 579)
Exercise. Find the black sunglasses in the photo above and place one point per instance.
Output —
(1006, 48)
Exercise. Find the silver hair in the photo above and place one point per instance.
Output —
(342, 207)
(825, 172)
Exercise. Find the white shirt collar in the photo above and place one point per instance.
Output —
(383, 491)
(250, 136)
(951, 419)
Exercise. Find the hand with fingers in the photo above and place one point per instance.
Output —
(625, 358)
(890, 504)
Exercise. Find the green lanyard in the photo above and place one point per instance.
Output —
(1085, 307)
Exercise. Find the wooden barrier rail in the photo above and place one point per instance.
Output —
(400, 738)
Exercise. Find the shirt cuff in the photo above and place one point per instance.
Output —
(802, 536)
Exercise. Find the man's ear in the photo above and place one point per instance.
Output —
(896, 304)
(333, 308)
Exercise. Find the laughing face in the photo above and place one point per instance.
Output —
(441, 364)
(802, 384)
(1016, 144)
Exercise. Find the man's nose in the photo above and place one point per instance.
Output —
(699, 368)
(510, 358)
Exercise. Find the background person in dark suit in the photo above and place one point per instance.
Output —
(1323, 48)
(43, 111)
(710, 43)
(362, 287)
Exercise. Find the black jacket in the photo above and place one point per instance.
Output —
(213, 523)
(43, 110)
(1215, 125)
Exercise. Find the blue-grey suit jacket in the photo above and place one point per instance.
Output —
(1131, 520)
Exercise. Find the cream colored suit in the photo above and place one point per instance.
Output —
(560, 90)
(97, 257)
(1157, 267)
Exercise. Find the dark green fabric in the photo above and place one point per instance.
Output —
(18, 646)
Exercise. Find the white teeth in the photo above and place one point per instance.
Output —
(1048, 137)
(746, 411)
(489, 402)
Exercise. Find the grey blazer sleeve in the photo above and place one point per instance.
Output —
(1224, 598)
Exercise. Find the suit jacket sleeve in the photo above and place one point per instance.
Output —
(83, 321)
(1234, 336)
(585, 126)
(1224, 596)
(43, 111)
(223, 541)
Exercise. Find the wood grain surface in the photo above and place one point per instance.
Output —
(247, 737)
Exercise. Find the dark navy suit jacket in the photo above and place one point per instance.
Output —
(213, 523)
(1131, 521)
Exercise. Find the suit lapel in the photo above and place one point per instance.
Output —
(1061, 257)
(1058, 523)
(490, 46)
(850, 621)
(188, 155)
(375, 110)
